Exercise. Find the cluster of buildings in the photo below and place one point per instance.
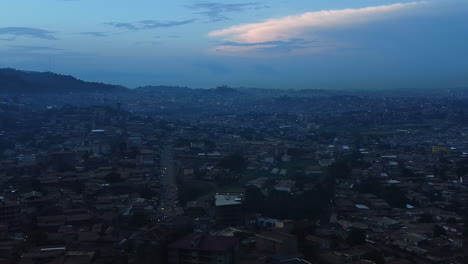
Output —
(375, 181)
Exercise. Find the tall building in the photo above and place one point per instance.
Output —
(229, 209)
(10, 211)
(277, 243)
(199, 248)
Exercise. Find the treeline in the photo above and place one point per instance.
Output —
(311, 204)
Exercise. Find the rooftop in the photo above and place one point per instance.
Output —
(228, 199)
(198, 241)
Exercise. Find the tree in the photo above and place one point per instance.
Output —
(440, 172)
(462, 167)
(405, 172)
(454, 206)
(147, 193)
(438, 231)
(426, 218)
(375, 256)
(113, 177)
(64, 167)
(78, 187)
(122, 147)
(465, 233)
(209, 144)
(254, 199)
(393, 195)
(38, 237)
(339, 170)
(451, 220)
(138, 220)
(234, 162)
(309, 205)
(356, 237)
(36, 184)
(189, 191)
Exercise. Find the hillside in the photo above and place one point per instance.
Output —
(16, 81)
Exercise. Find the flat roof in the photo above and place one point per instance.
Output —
(205, 242)
(361, 206)
(227, 199)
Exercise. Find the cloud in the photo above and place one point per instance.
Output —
(33, 48)
(294, 42)
(170, 37)
(267, 46)
(128, 26)
(149, 24)
(217, 11)
(306, 26)
(34, 53)
(95, 34)
(213, 67)
(14, 32)
(146, 43)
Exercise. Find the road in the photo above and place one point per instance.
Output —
(169, 194)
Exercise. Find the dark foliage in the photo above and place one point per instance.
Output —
(340, 169)
(426, 218)
(147, 193)
(393, 195)
(356, 237)
(113, 177)
(283, 205)
(439, 231)
(138, 220)
(234, 162)
(38, 237)
(16, 81)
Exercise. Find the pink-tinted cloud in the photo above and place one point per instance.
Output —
(307, 25)
(240, 50)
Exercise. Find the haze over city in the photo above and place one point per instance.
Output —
(233, 132)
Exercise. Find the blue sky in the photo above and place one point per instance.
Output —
(284, 44)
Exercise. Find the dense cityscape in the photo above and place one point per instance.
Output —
(230, 175)
(234, 132)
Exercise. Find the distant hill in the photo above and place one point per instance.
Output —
(161, 88)
(16, 81)
(223, 90)
(186, 91)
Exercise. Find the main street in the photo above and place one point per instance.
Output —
(169, 191)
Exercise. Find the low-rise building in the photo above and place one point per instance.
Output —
(199, 248)
(229, 209)
(276, 243)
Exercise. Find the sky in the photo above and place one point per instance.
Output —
(284, 44)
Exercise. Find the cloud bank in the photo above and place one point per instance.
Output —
(13, 32)
(217, 11)
(307, 26)
(95, 34)
(149, 24)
